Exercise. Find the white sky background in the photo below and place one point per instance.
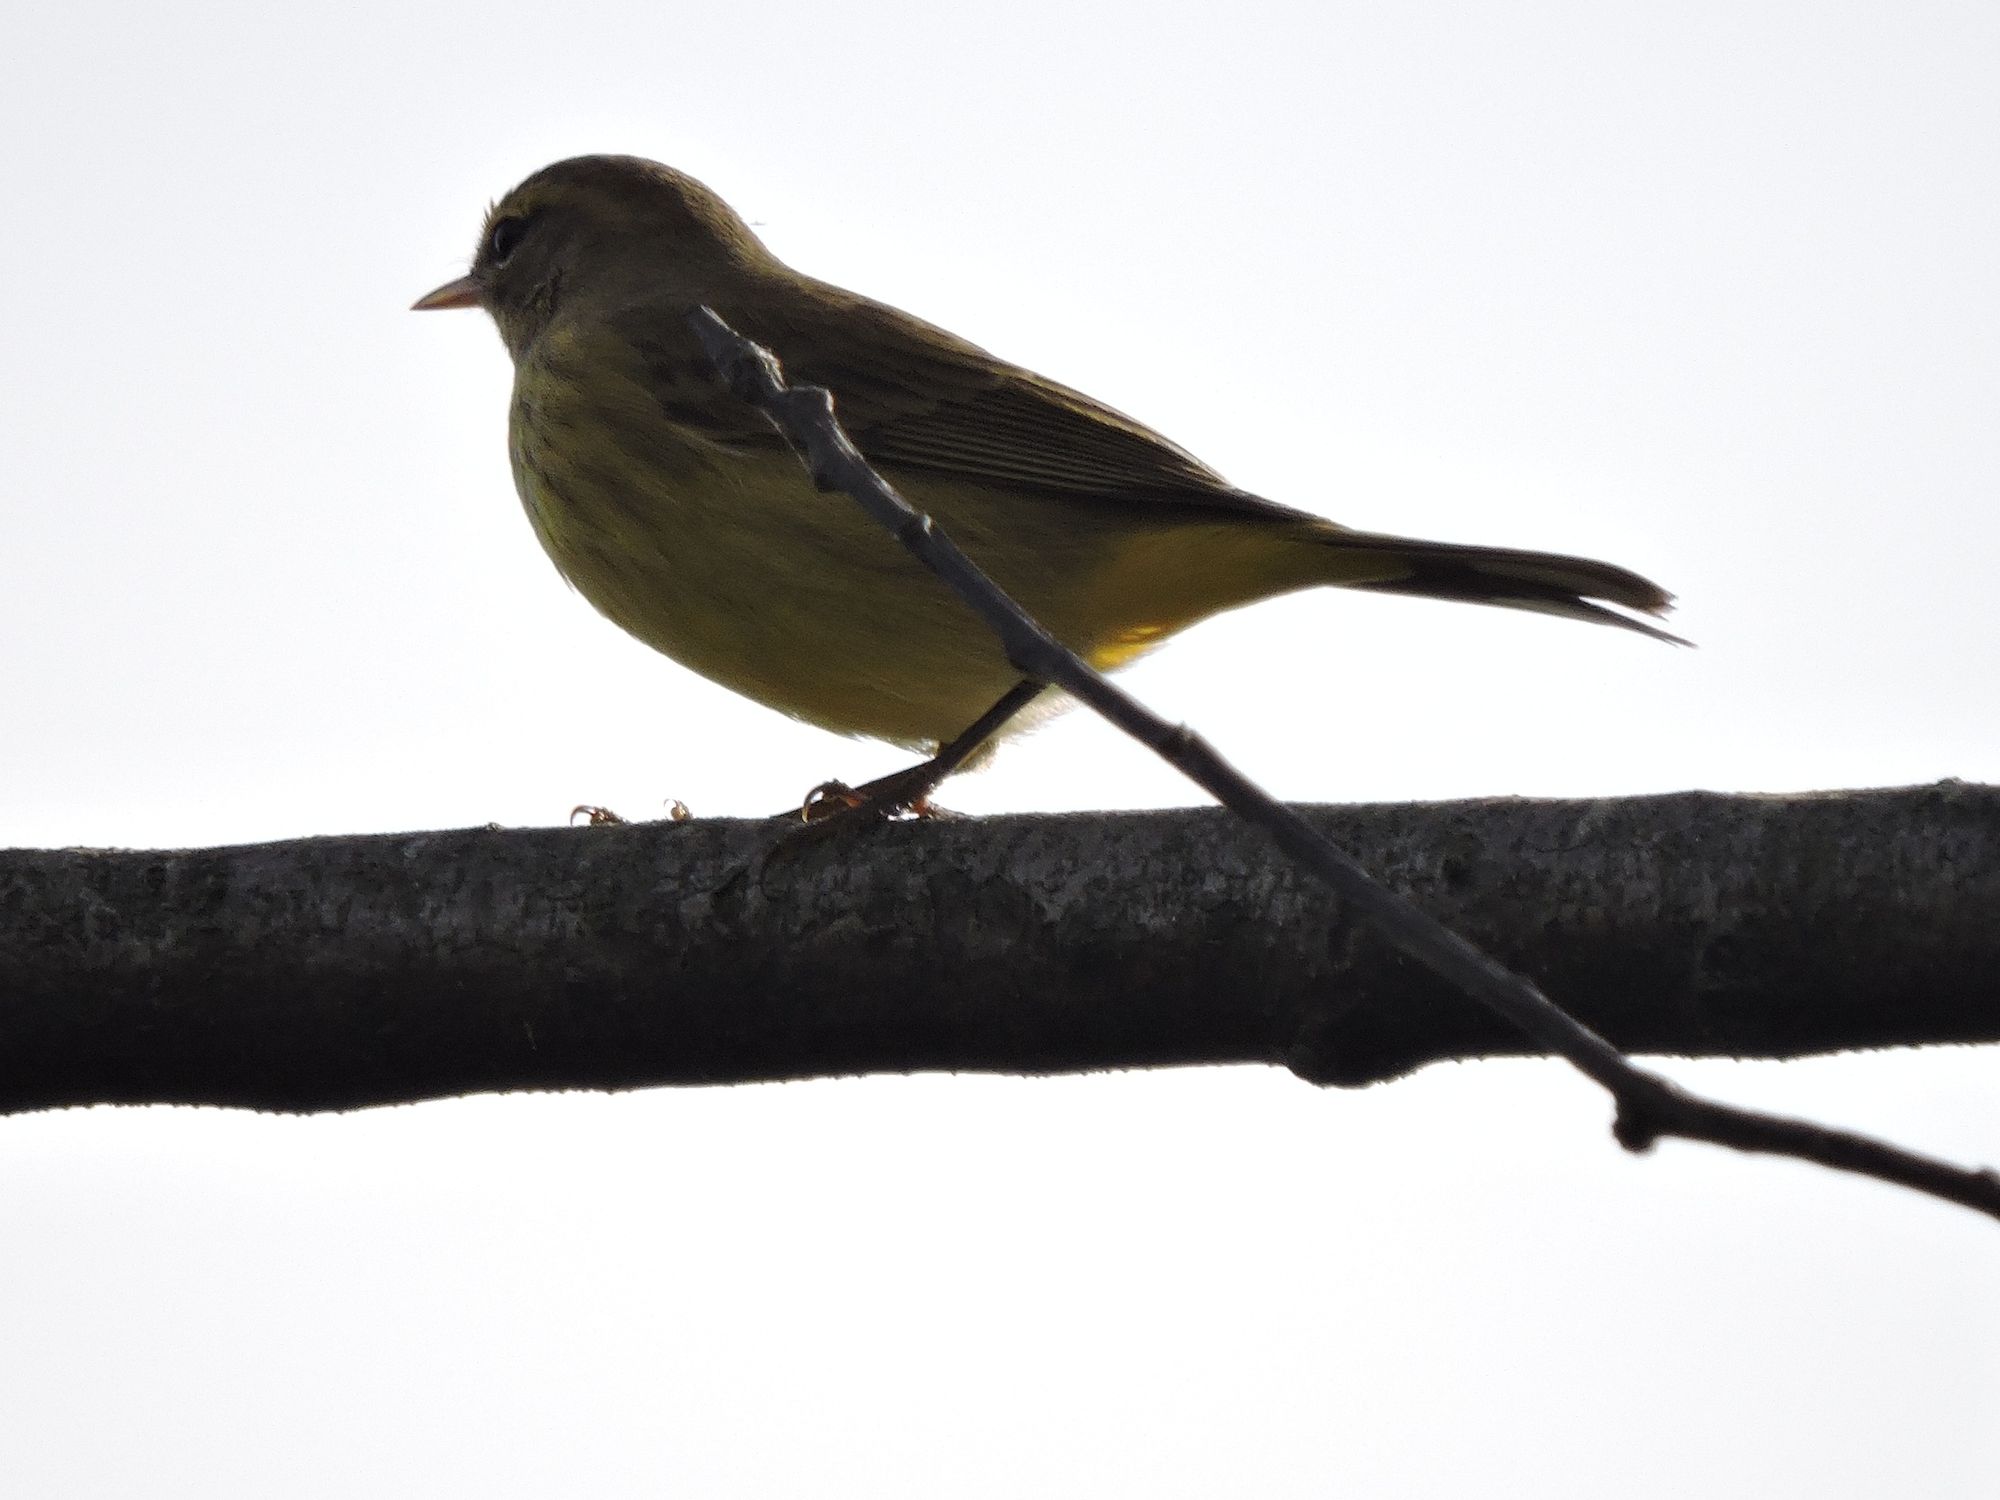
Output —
(1706, 290)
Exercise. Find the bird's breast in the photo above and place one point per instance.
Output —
(724, 557)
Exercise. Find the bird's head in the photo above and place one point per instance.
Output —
(601, 232)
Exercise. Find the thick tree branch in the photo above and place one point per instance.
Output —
(333, 973)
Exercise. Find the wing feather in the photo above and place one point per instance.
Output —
(917, 399)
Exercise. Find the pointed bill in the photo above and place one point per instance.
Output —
(464, 292)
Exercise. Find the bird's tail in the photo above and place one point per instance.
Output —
(1577, 588)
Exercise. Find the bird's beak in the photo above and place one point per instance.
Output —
(464, 292)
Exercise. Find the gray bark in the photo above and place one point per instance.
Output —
(333, 973)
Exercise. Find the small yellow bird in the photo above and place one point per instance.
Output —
(680, 514)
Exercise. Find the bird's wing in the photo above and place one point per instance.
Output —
(915, 398)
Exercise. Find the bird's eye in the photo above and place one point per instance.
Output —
(504, 238)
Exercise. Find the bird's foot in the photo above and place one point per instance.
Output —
(603, 817)
(904, 795)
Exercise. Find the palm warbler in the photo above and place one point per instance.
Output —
(679, 513)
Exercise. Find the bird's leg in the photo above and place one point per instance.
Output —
(909, 790)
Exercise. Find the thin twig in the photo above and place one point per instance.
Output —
(1648, 1107)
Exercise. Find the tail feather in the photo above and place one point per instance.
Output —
(1544, 582)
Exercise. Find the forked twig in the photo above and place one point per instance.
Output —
(1648, 1107)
